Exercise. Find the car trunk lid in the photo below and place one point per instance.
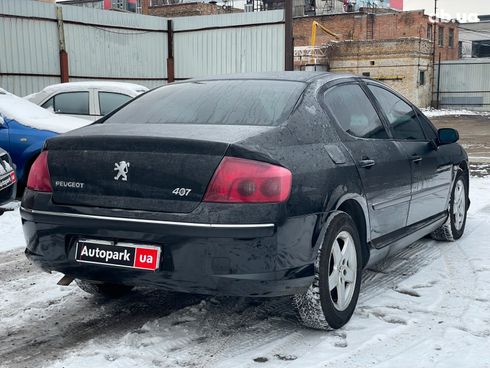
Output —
(166, 170)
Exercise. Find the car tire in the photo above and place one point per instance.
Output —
(104, 289)
(453, 228)
(325, 306)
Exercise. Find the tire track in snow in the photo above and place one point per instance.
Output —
(459, 273)
(397, 268)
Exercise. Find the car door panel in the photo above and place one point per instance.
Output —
(4, 135)
(382, 165)
(431, 180)
(387, 183)
(430, 168)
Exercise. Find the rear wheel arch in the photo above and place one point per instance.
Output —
(463, 165)
(355, 210)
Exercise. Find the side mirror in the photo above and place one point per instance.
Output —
(447, 136)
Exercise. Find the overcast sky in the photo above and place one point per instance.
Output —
(450, 6)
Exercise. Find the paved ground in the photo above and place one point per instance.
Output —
(474, 134)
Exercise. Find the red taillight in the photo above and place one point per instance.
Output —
(238, 180)
(39, 178)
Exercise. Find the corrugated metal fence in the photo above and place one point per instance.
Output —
(129, 47)
(463, 84)
(229, 43)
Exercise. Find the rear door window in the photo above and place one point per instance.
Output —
(73, 103)
(354, 112)
(402, 118)
(109, 101)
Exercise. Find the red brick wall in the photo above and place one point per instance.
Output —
(387, 26)
(145, 4)
(185, 9)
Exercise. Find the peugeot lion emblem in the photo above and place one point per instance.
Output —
(122, 169)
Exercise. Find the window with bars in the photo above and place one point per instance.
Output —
(120, 4)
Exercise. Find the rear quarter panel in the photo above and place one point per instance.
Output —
(309, 146)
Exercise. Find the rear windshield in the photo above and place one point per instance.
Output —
(226, 102)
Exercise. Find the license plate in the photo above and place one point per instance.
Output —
(128, 255)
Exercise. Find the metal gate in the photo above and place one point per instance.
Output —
(463, 84)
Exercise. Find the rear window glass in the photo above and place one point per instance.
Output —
(226, 102)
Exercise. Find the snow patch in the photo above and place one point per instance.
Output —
(31, 115)
(432, 113)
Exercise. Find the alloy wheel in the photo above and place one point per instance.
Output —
(342, 270)
(459, 204)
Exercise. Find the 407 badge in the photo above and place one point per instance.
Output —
(127, 255)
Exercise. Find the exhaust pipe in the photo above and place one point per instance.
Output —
(65, 280)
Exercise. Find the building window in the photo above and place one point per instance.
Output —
(451, 38)
(481, 49)
(441, 36)
(422, 78)
(366, 74)
(119, 4)
(430, 32)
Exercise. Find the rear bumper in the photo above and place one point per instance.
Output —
(217, 259)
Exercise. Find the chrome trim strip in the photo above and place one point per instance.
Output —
(155, 222)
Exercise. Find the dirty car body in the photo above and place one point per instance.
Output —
(139, 181)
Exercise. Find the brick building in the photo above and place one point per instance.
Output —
(165, 8)
(404, 64)
(383, 25)
(394, 47)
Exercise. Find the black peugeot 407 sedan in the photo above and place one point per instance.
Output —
(256, 185)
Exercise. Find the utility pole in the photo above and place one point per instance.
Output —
(289, 41)
(434, 40)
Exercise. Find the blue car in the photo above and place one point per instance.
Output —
(24, 127)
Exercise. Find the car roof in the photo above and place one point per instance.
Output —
(72, 86)
(294, 76)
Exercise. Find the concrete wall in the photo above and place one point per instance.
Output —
(395, 62)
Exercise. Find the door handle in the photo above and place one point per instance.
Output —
(416, 158)
(367, 163)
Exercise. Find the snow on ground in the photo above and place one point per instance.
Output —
(11, 235)
(431, 113)
(427, 307)
(31, 115)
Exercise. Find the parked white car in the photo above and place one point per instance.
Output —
(86, 100)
